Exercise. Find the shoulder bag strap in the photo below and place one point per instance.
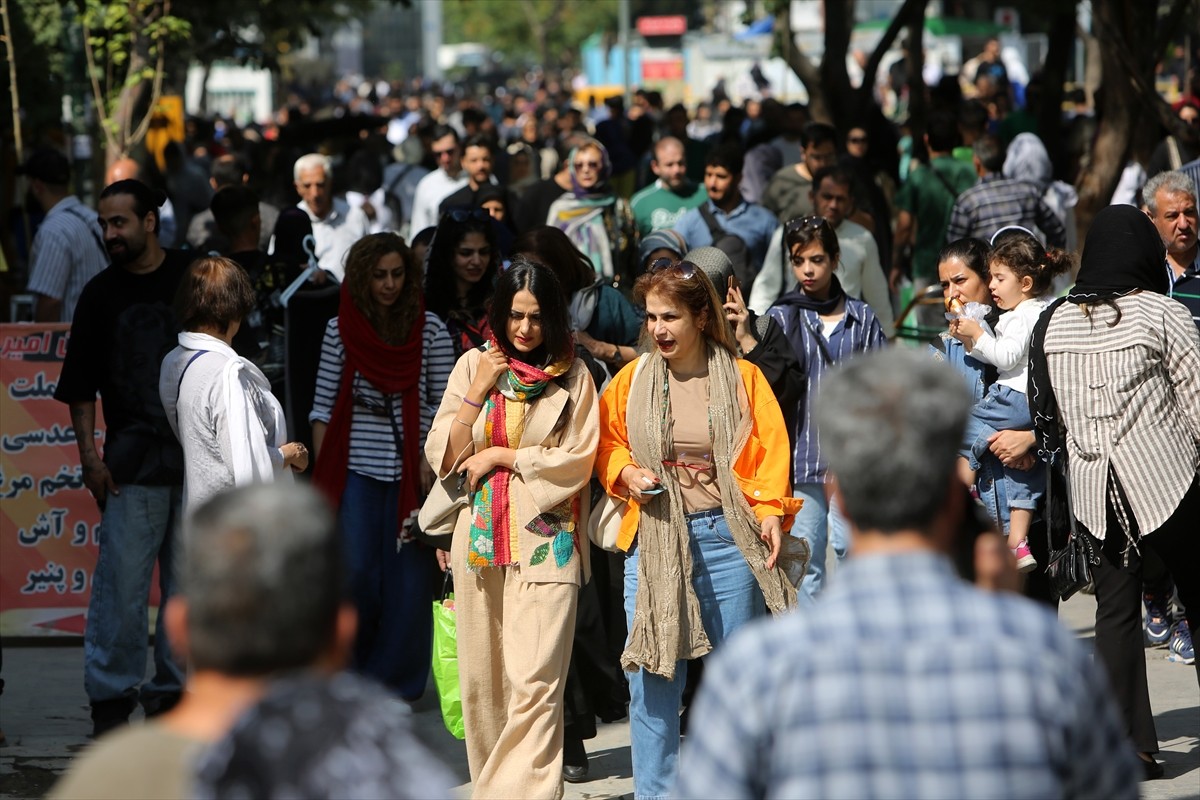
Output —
(714, 227)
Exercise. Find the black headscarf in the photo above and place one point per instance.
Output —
(1122, 254)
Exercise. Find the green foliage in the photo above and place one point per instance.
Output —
(506, 26)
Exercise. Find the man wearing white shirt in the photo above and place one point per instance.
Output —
(336, 226)
(859, 271)
(444, 181)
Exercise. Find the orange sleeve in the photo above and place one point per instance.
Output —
(613, 454)
(763, 468)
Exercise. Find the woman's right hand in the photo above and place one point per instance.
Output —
(443, 559)
(492, 365)
(637, 481)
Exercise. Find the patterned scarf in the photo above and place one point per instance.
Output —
(494, 526)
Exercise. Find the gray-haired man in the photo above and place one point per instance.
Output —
(1015, 708)
(261, 598)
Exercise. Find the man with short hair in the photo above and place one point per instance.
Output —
(441, 183)
(1015, 708)
(789, 194)
(996, 202)
(859, 271)
(1171, 203)
(478, 161)
(202, 233)
(662, 203)
(261, 607)
(925, 201)
(123, 326)
(729, 211)
(336, 226)
(67, 250)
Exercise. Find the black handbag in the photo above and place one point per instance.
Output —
(1069, 568)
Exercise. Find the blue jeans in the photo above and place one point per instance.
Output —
(729, 598)
(1003, 409)
(822, 524)
(392, 590)
(137, 528)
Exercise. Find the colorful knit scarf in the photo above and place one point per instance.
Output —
(494, 523)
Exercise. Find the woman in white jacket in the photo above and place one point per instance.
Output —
(220, 404)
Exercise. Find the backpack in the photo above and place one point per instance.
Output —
(731, 245)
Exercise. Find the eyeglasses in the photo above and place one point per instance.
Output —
(587, 165)
(686, 268)
(464, 214)
(704, 466)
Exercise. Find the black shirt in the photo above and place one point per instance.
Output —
(124, 324)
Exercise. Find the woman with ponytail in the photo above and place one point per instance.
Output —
(384, 364)
(516, 437)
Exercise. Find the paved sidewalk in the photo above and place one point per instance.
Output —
(44, 714)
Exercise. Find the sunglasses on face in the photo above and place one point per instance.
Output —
(686, 268)
(858, 140)
(587, 165)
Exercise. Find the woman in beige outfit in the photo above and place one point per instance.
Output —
(518, 430)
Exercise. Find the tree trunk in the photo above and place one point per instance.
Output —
(1060, 47)
(818, 105)
(1122, 28)
(835, 80)
(916, 68)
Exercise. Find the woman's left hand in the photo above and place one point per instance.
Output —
(772, 534)
(739, 317)
(483, 462)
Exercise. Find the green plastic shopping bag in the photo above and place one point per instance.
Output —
(445, 661)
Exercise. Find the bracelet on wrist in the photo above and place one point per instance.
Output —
(462, 422)
(471, 402)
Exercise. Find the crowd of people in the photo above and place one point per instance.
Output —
(478, 324)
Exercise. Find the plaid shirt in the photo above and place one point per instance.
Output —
(906, 682)
(995, 202)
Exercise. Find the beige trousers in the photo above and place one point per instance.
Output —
(514, 647)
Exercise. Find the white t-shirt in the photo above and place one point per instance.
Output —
(1008, 349)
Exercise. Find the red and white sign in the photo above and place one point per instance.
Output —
(670, 69)
(49, 523)
(662, 26)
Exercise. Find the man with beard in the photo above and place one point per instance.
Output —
(662, 203)
(123, 326)
(67, 251)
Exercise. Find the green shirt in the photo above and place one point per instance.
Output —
(930, 198)
(656, 207)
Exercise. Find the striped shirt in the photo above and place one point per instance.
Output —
(857, 332)
(373, 443)
(67, 252)
(1186, 288)
(995, 202)
(796, 706)
(1129, 397)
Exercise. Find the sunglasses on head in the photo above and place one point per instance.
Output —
(464, 214)
(686, 268)
(812, 221)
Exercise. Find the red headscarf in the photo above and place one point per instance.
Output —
(392, 369)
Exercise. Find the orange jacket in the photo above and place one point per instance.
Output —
(762, 472)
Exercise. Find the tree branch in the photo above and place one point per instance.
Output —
(802, 65)
(885, 44)
(101, 104)
(1144, 87)
(156, 87)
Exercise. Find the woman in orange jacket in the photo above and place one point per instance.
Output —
(695, 441)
